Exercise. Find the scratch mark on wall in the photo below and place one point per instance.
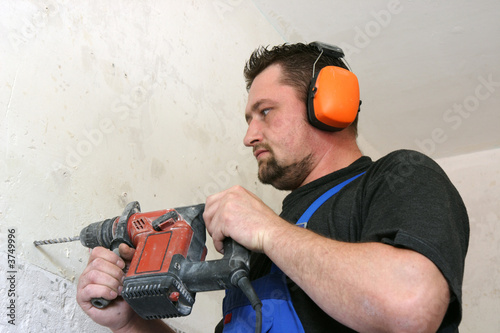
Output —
(11, 93)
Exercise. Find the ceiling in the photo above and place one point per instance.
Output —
(429, 71)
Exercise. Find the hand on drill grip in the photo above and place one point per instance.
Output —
(241, 215)
(103, 277)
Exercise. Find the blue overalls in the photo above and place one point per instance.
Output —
(278, 313)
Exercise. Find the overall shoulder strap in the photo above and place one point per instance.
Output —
(302, 221)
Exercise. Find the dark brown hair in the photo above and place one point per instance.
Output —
(296, 61)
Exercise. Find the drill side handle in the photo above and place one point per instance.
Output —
(121, 234)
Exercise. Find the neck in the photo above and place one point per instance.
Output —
(338, 152)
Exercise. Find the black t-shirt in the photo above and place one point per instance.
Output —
(404, 199)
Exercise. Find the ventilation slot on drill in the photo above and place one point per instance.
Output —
(164, 316)
(183, 291)
(143, 291)
(139, 224)
(159, 317)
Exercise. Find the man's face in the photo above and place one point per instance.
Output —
(278, 131)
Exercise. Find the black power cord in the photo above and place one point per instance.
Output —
(247, 289)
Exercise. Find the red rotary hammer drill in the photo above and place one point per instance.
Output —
(168, 266)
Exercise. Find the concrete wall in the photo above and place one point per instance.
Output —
(108, 102)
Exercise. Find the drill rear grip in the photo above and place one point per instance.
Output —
(168, 267)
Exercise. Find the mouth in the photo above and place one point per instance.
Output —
(260, 152)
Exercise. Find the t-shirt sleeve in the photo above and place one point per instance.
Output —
(409, 202)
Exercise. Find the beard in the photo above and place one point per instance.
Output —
(284, 177)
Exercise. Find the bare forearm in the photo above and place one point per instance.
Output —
(362, 285)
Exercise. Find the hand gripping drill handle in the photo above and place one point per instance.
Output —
(109, 233)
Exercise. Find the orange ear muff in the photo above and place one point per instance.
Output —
(333, 99)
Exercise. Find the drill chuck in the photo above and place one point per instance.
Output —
(98, 234)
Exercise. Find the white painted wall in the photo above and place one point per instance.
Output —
(477, 177)
(107, 102)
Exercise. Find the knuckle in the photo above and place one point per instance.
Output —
(93, 276)
(227, 215)
(239, 188)
(99, 251)
(97, 263)
(236, 190)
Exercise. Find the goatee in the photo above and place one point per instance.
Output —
(284, 177)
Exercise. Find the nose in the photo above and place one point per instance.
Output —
(254, 133)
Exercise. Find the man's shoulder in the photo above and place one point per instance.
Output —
(405, 158)
(406, 168)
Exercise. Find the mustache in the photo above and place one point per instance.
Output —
(263, 146)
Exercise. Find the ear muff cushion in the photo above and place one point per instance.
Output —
(333, 99)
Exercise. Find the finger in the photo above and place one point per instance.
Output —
(107, 255)
(219, 246)
(100, 278)
(211, 206)
(126, 252)
(96, 284)
(217, 233)
(110, 276)
(113, 270)
(89, 292)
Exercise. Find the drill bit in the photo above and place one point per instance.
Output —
(56, 240)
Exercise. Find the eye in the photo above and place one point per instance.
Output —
(264, 112)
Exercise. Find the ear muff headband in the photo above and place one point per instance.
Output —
(333, 97)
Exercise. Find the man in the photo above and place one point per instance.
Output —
(385, 253)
